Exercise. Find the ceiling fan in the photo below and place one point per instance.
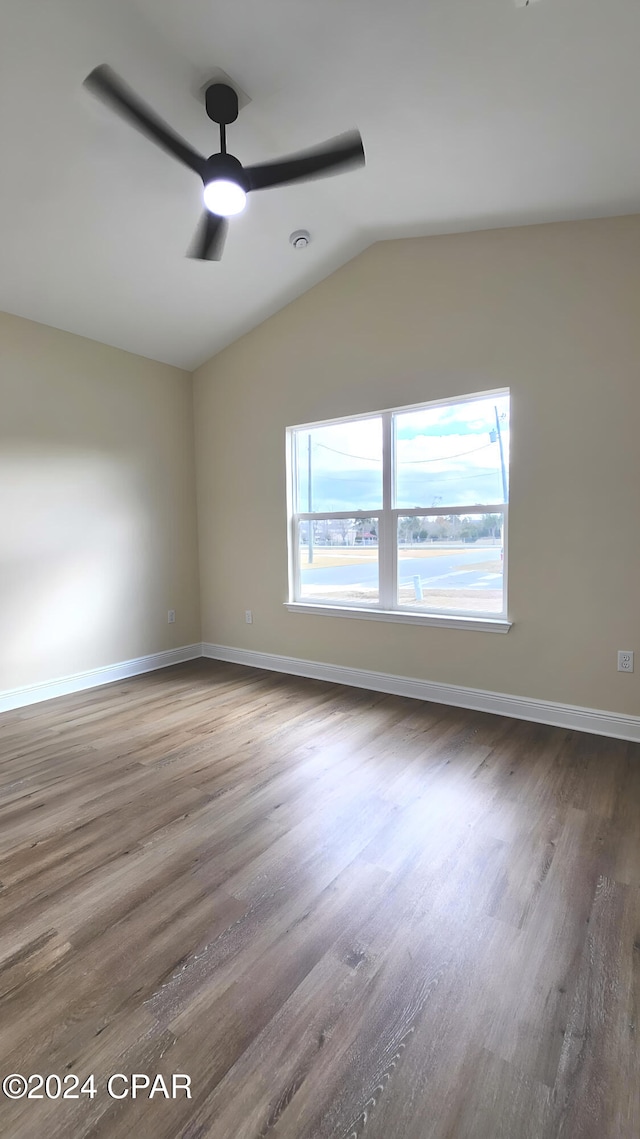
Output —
(225, 180)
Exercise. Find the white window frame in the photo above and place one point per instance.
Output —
(387, 608)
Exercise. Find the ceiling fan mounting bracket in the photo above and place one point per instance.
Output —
(221, 102)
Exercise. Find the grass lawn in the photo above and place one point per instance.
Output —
(336, 556)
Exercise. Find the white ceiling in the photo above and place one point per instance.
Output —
(473, 113)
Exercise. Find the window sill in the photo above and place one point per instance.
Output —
(442, 621)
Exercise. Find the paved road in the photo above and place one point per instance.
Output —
(453, 569)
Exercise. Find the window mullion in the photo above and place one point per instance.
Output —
(387, 555)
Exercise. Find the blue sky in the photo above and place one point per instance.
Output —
(446, 456)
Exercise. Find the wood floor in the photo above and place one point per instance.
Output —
(340, 913)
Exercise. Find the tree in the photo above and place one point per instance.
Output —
(365, 530)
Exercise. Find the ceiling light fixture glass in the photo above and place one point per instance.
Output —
(223, 197)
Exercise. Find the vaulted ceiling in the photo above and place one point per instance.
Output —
(473, 113)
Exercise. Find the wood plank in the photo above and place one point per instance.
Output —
(342, 913)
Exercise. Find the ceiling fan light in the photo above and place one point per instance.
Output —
(224, 197)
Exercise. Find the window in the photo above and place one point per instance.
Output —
(403, 514)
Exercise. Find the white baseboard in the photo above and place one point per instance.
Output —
(34, 693)
(613, 724)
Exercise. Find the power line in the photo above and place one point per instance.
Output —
(405, 462)
(347, 454)
(443, 458)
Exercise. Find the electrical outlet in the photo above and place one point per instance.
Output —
(248, 616)
(625, 660)
(171, 616)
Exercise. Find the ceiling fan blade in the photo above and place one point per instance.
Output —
(210, 237)
(103, 82)
(333, 157)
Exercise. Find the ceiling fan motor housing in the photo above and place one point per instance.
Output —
(225, 166)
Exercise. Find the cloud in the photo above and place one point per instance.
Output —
(445, 455)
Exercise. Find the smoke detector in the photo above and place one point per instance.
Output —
(300, 238)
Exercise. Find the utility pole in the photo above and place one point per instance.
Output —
(504, 473)
(309, 523)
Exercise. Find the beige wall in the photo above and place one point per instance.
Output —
(97, 519)
(97, 505)
(551, 311)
